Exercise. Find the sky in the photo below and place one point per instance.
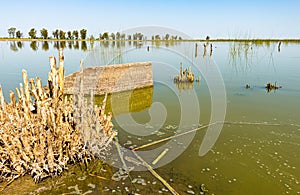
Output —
(196, 18)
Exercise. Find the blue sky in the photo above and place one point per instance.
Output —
(219, 19)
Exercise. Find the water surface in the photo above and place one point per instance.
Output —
(257, 151)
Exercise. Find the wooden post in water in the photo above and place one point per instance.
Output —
(279, 44)
(204, 51)
(196, 50)
(180, 70)
(211, 49)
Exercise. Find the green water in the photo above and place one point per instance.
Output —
(257, 150)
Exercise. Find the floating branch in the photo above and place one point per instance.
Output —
(151, 170)
(199, 128)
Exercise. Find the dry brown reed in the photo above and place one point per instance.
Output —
(42, 130)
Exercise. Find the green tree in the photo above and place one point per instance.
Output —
(174, 37)
(75, 34)
(134, 36)
(69, 35)
(113, 36)
(83, 33)
(118, 35)
(129, 37)
(55, 34)
(123, 36)
(19, 34)
(140, 36)
(157, 37)
(62, 34)
(44, 33)
(167, 36)
(32, 33)
(207, 38)
(11, 32)
(105, 36)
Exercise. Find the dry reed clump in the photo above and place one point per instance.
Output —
(184, 76)
(44, 131)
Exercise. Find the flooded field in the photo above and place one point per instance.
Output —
(252, 145)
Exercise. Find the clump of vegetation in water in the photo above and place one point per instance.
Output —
(271, 87)
(42, 131)
(184, 76)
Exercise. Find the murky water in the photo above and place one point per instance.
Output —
(256, 151)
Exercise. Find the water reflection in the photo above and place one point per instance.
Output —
(45, 46)
(20, 44)
(139, 99)
(13, 46)
(62, 44)
(185, 86)
(88, 45)
(241, 52)
(245, 52)
(34, 45)
(83, 46)
(76, 45)
(70, 44)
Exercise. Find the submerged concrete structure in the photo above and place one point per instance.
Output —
(110, 78)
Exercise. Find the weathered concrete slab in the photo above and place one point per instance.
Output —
(110, 78)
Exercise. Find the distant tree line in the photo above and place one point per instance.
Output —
(82, 34)
(44, 34)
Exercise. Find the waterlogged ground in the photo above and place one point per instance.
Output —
(256, 152)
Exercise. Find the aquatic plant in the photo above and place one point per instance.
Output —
(42, 130)
(270, 87)
(184, 76)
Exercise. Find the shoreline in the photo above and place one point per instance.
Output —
(183, 40)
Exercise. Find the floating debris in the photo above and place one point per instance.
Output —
(190, 192)
(203, 188)
(92, 185)
(81, 178)
(247, 86)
